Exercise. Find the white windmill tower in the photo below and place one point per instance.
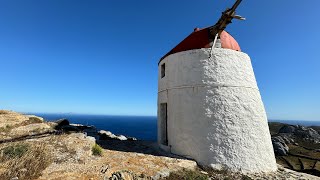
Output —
(209, 104)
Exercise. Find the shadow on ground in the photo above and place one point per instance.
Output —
(139, 146)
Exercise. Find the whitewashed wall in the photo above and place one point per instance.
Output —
(215, 112)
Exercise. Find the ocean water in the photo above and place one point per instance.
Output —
(141, 127)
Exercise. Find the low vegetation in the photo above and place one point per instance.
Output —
(187, 175)
(14, 151)
(6, 129)
(199, 174)
(4, 112)
(97, 150)
(23, 161)
(32, 120)
(303, 154)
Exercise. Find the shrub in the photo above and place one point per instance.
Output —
(14, 151)
(6, 129)
(4, 112)
(187, 175)
(97, 150)
(33, 120)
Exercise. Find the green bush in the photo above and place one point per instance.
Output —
(33, 120)
(187, 175)
(97, 150)
(6, 129)
(15, 151)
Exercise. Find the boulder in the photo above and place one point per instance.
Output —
(279, 149)
(123, 174)
(287, 140)
(70, 128)
(307, 133)
(287, 129)
(61, 122)
(279, 139)
(279, 146)
(106, 135)
(35, 118)
(131, 138)
(122, 138)
(300, 132)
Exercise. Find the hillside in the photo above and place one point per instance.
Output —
(299, 147)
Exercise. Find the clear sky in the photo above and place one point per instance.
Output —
(100, 56)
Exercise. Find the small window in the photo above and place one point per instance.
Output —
(163, 70)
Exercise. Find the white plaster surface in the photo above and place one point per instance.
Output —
(215, 112)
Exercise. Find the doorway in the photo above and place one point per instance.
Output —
(164, 124)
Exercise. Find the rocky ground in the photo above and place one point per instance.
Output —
(297, 147)
(31, 148)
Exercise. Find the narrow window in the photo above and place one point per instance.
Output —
(164, 124)
(163, 70)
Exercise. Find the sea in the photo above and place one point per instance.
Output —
(141, 127)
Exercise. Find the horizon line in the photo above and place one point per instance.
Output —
(101, 114)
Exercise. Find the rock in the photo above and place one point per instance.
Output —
(23, 170)
(162, 174)
(287, 129)
(35, 118)
(104, 169)
(85, 128)
(90, 138)
(30, 129)
(70, 128)
(279, 146)
(131, 138)
(61, 122)
(307, 133)
(123, 175)
(10, 118)
(203, 172)
(300, 132)
(122, 138)
(280, 168)
(108, 133)
(287, 140)
(278, 139)
(78, 135)
(279, 149)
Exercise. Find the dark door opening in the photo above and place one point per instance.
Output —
(164, 123)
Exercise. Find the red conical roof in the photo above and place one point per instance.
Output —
(200, 38)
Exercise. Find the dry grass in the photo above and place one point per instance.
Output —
(23, 160)
(4, 112)
(186, 175)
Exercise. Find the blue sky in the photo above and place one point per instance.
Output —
(100, 57)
